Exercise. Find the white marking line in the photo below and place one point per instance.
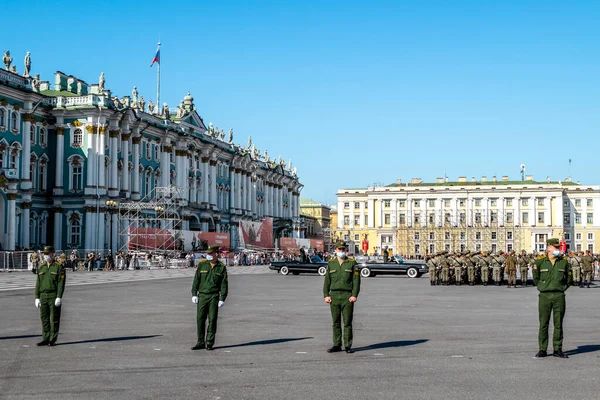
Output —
(92, 347)
(456, 356)
(156, 349)
(300, 352)
(25, 345)
(226, 351)
(377, 354)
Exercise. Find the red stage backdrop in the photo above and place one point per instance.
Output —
(213, 238)
(257, 234)
(150, 239)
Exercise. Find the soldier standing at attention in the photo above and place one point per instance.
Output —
(385, 255)
(35, 261)
(430, 262)
(340, 290)
(552, 276)
(587, 264)
(575, 267)
(522, 262)
(49, 289)
(511, 268)
(209, 292)
(445, 269)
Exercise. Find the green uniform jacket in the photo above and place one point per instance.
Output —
(50, 279)
(211, 280)
(552, 278)
(345, 277)
(587, 263)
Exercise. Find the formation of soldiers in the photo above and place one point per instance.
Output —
(487, 268)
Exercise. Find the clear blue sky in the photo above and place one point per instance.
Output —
(354, 92)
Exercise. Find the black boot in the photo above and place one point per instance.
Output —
(334, 349)
(43, 343)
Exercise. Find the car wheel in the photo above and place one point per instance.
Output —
(412, 273)
(365, 272)
(284, 270)
(322, 271)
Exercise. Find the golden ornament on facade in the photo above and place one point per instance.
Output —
(60, 131)
(76, 123)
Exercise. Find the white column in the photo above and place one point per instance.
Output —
(60, 154)
(114, 160)
(165, 165)
(470, 212)
(89, 232)
(11, 239)
(135, 154)
(351, 215)
(101, 161)
(381, 220)
(558, 212)
(409, 212)
(532, 217)
(371, 215)
(58, 217)
(486, 217)
(91, 163)
(115, 232)
(441, 212)
(548, 212)
(205, 198)
(232, 190)
(213, 183)
(125, 161)
(584, 216)
(238, 190)
(26, 183)
(394, 219)
(101, 229)
(501, 218)
(362, 214)
(25, 208)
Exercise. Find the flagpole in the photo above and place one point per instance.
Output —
(158, 84)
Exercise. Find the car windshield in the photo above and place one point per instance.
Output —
(399, 259)
(315, 259)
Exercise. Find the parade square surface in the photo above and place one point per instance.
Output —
(412, 341)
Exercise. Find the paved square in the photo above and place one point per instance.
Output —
(413, 341)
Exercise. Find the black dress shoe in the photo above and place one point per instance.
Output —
(42, 343)
(334, 349)
(559, 354)
(198, 346)
(209, 347)
(52, 343)
(541, 353)
(349, 350)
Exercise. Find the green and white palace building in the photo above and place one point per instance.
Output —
(69, 148)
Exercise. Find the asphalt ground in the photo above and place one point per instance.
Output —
(412, 341)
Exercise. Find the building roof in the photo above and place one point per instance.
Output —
(304, 202)
(57, 93)
(479, 183)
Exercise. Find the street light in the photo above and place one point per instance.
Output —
(111, 205)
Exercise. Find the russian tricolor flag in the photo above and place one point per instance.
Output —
(157, 56)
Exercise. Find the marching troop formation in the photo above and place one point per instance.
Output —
(486, 267)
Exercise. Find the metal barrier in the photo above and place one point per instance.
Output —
(15, 261)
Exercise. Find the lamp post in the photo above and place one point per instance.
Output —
(111, 205)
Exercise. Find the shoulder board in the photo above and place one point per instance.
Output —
(351, 259)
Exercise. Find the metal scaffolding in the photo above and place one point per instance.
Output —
(153, 223)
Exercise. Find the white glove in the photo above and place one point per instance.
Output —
(57, 302)
(221, 303)
(38, 303)
(195, 299)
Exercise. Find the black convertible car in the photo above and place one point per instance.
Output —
(314, 264)
(395, 266)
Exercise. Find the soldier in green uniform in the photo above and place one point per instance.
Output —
(340, 290)
(386, 256)
(587, 265)
(445, 269)
(552, 276)
(496, 265)
(575, 267)
(49, 289)
(35, 261)
(430, 262)
(522, 262)
(511, 269)
(456, 263)
(209, 292)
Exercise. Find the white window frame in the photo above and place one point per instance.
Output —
(15, 122)
(43, 137)
(73, 187)
(32, 134)
(77, 138)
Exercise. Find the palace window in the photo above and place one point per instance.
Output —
(477, 235)
(75, 173)
(567, 219)
(431, 203)
(2, 118)
(42, 174)
(509, 236)
(417, 219)
(2, 152)
(477, 202)
(577, 218)
(356, 205)
(463, 236)
(494, 216)
(432, 218)
(417, 203)
(32, 135)
(356, 219)
(386, 203)
(346, 205)
(567, 236)
(590, 218)
(417, 249)
(478, 247)
(461, 203)
(386, 219)
(14, 118)
(431, 248)
(43, 137)
(494, 235)
(578, 236)
(75, 233)
(346, 220)
(577, 202)
(417, 236)
(148, 150)
(590, 236)
(77, 138)
(509, 218)
(524, 202)
(402, 219)
(493, 202)
(463, 218)
(402, 203)
(446, 235)
(431, 235)
(589, 202)
(508, 202)
(478, 218)
(525, 218)
(14, 158)
(447, 218)
(540, 218)
(446, 203)
(540, 202)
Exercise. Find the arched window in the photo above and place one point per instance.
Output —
(75, 173)
(77, 138)
(14, 118)
(32, 134)
(2, 118)
(43, 137)
(74, 231)
(42, 173)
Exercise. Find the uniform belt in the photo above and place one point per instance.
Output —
(341, 290)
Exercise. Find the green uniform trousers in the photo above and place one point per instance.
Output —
(512, 277)
(445, 275)
(471, 274)
(524, 272)
(496, 274)
(458, 274)
(576, 275)
(551, 303)
(50, 316)
(485, 274)
(341, 309)
(432, 275)
(587, 276)
(208, 306)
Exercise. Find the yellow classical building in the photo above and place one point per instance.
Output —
(417, 218)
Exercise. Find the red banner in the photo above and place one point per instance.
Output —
(216, 239)
(150, 239)
(289, 246)
(257, 234)
(317, 245)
